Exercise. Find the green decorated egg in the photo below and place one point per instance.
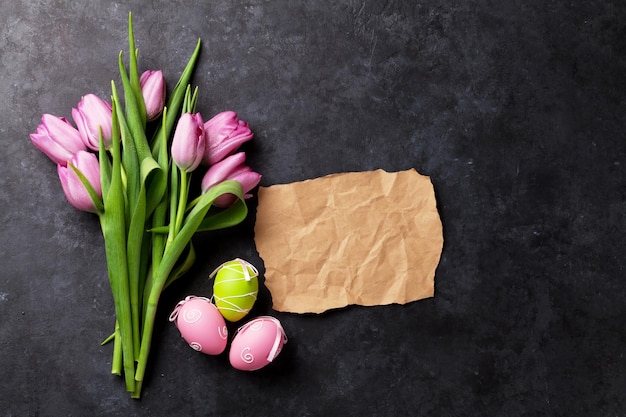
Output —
(235, 288)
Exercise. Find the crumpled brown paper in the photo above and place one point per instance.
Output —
(366, 238)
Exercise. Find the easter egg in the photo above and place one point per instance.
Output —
(235, 288)
(201, 325)
(257, 343)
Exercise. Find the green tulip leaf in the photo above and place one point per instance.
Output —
(114, 231)
(93, 195)
(104, 161)
(182, 267)
(134, 74)
(175, 100)
(228, 217)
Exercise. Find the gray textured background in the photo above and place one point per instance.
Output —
(515, 109)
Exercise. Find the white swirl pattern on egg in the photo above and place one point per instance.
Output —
(246, 355)
(223, 332)
(192, 315)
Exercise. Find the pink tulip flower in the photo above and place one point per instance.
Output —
(153, 90)
(231, 168)
(57, 138)
(224, 134)
(93, 112)
(188, 142)
(75, 191)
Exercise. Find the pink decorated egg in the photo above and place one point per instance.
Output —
(257, 343)
(201, 325)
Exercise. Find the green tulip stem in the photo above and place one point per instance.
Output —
(182, 200)
(160, 212)
(116, 363)
(174, 187)
(137, 393)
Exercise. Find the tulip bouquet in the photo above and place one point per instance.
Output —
(130, 162)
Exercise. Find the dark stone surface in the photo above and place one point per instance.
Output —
(515, 109)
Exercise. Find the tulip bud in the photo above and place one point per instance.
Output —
(57, 138)
(93, 112)
(75, 191)
(224, 134)
(153, 90)
(188, 142)
(231, 168)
